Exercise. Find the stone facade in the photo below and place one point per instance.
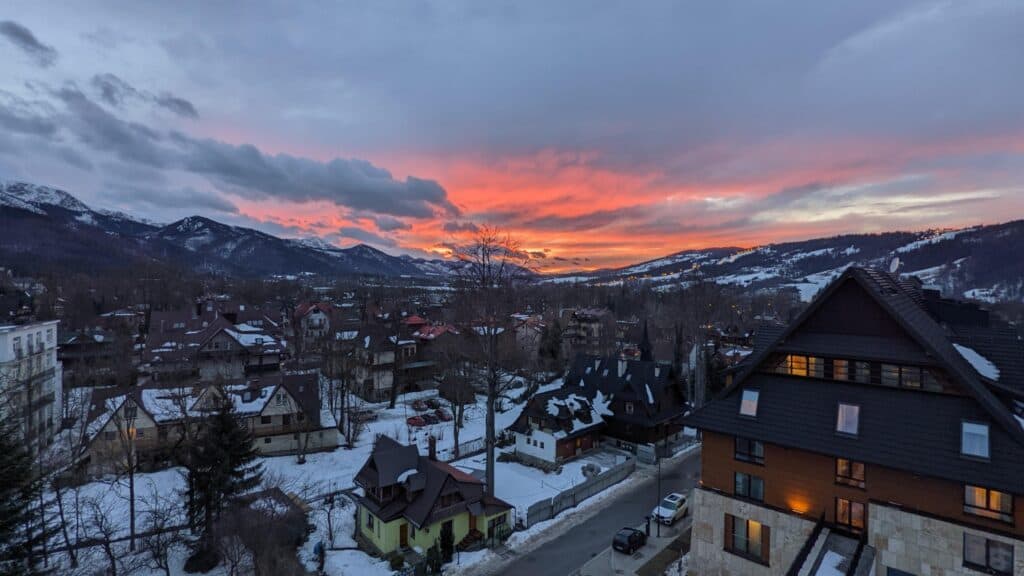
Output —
(707, 546)
(923, 545)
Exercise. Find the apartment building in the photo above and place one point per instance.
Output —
(30, 379)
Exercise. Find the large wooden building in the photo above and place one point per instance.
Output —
(882, 432)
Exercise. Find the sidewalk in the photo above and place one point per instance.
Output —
(612, 563)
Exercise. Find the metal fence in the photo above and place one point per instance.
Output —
(550, 507)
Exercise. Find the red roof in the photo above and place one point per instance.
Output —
(414, 320)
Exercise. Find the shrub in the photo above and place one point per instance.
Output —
(396, 561)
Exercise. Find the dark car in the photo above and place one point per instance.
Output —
(429, 418)
(415, 421)
(629, 540)
(420, 406)
(443, 415)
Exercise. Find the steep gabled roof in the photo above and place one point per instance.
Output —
(904, 303)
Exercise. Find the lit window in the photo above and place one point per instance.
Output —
(840, 370)
(798, 365)
(746, 538)
(748, 405)
(991, 556)
(988, 503)
(974, 439)
(849, 472)
(910, 377)
(850, 514)
(848, 419)
(816, 367)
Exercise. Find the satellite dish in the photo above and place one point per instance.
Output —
(894, 265)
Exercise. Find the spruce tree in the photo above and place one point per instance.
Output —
(223, 466)
(21, 528)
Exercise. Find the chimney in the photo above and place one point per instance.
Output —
(622, 368)
(432, 448)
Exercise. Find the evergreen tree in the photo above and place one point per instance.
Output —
(223, 466)
(21, 528)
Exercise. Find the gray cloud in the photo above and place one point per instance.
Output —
(115, 92)
(186, 198)
(356, 184)
(24, 39)
(20, 115)
(360, 235)
(390, 223)
(455, 227)
(101, 130)
(179, 106)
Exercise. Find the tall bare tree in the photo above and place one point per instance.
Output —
(492, 264)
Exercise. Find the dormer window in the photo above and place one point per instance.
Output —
(848, 419)
(974, 439)
(748, 404)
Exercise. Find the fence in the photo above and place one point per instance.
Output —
(467, 448)
(551, 507)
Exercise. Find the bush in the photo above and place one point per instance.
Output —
(202, 561)
(396, 561)
(434, 559)
(508, 457)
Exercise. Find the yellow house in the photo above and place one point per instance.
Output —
(411, 500)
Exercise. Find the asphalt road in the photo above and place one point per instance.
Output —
(567, 552)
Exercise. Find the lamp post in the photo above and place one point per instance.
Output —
(130, 415)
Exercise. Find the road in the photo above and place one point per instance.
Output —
(567, 552)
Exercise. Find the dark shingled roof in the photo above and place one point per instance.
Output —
(902, 429)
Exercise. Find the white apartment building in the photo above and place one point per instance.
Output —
(30, 379)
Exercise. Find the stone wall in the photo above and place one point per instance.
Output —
(922, 545)
(707, 546)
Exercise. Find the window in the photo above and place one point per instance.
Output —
(850, 514)
(974, 439)
(748, 405)
(862, 372)
(890, 375)
(747, 538)
(266, 419)
(286, 419)
(988, 503)
(279, 398)
(369, 519)
(849, 472)
(629, 407)
(910, 377)
(495, 524)
(990, 556)
(266, 440)
(541, 445)
(798, 365)
(816, 367)
(749, 486)
(749, 451)
(140, 433)
(840, 370)
(848, 419)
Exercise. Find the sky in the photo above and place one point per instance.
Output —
(596, 133)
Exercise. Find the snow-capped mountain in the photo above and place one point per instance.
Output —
(978, 262)
(44, 226)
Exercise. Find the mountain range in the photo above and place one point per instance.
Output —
(43, 227)
(980, 262)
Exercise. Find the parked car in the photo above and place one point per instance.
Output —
(433, 404)
(430, 418)
(671, 508)
(420, 406)
(415, 421)
(443, 415)
(629, 540)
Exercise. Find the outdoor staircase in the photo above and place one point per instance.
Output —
(812, 557)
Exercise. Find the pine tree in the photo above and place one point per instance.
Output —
(21, 531)
(223, 466)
